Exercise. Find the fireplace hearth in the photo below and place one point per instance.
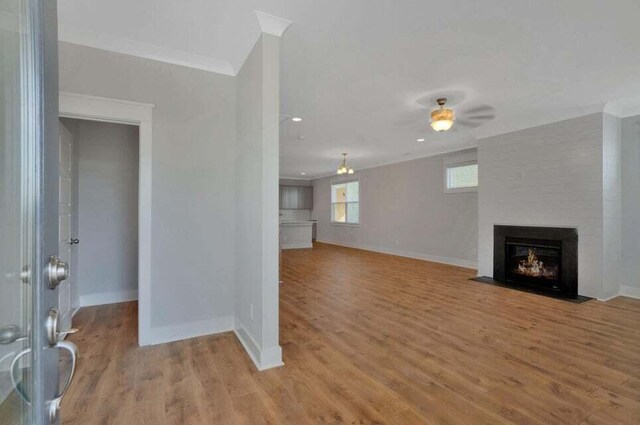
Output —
(544, 259)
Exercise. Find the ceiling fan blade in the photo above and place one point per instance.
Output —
(479, 117)
(468, 123)
(477, 109)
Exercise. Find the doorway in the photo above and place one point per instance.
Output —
(98, 213)
(94, 108)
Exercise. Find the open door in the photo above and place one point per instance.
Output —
(30, 271)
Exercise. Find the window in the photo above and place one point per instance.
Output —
(461, 177)
(345, 203)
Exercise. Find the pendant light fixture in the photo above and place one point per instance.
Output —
(343, 169)
(442, 119)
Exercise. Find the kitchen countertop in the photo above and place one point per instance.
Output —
(296, 223)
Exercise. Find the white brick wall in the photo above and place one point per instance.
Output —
(554, 175)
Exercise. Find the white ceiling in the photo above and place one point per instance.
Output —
(363, 74)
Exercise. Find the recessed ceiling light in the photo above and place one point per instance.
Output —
(303, 173)
(296, 119)
(420, 140)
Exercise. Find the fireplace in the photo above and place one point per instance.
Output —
(540, 258)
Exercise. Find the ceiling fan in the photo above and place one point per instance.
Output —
(444, 112)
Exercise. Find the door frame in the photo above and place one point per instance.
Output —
(95, 108)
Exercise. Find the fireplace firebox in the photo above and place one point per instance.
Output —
(541, 258)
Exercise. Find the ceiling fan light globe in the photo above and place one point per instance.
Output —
(442, 119)
(442, 125)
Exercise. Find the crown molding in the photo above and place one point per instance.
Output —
(144, 50)
(400, 159)
(273, 25)
(623, 108)
(296, 178)
(269, 24)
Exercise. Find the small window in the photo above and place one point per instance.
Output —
(461, 177)
(345, 203)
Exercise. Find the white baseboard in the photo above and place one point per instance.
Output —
(605, 298)
(630, 291)
(75, 306)
(263, 358)
(188, 330)
(108, 298)
(296, 245)
(409, 254)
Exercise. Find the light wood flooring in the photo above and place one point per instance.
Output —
(374, 339)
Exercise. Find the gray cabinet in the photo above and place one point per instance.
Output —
(307, 198)
(288, 197)
(296, 198)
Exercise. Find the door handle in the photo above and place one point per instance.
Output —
(51, 328)
(14, 379)
(52, 406)
(73, 241)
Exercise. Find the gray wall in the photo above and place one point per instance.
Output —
(107, 202)
(257, 112)
(193, 177)
(631, 205)
(404, 210)
(249, 206)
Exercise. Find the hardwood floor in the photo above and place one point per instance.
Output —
(372, 338)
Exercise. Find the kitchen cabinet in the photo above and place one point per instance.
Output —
(296, 198)
(288, 197)
(307, 198)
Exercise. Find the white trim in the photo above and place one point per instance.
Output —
(408, 254)
(403, 158)
(623, 108)
(74, 311)
(102, 298)
(73, 105)
(161, 335)
(605, 299)
(273, 25)
(96, 108)
(75, 306)
(344, 180)
(144, 50)
(339, 223)
(263, 359)
(250, 346)
(630, 291)
(270, 358)
(296, 246)
(470, 189)
(306, 179)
